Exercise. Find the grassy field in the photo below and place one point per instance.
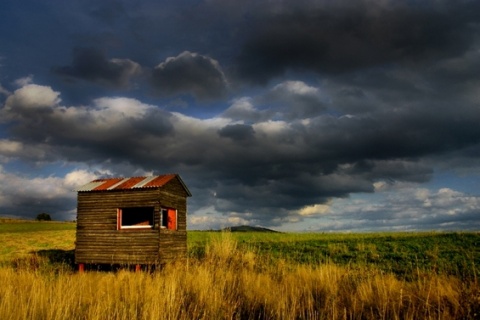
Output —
(20, 239)
(247, 276)
(400, 253)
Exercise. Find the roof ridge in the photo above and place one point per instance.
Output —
(129, 183)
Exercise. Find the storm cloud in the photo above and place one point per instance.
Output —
(341, 37)
(91, 64)
(190, 73)
(303, 115)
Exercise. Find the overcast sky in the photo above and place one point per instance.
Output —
(292, 115)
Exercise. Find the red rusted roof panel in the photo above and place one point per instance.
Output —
(159, 181)
(107, 183)
(129, 183)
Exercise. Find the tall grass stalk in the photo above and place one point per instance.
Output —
(232, 283)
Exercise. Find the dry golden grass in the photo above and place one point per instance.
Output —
(229, 283)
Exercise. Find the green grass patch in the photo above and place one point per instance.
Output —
(404, 254)
(35, 226)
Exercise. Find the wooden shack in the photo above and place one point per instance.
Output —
(131, 221)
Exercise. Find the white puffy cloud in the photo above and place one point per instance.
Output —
(27, 196)
(42, 120)
(313, 210)
(10, 150)
(272, 127)
(79, 177)
(32, 96)
(8, 147)
(296, 88)
(22, 82)
(210, 218)
(118, 109)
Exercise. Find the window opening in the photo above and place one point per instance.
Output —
(135, 218)
(169, 218)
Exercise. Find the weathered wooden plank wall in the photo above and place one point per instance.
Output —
(99, 241)
(173, 245)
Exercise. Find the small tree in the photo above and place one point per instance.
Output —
(43, 217)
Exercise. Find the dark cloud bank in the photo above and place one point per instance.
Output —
(343, 37)
(320, 101)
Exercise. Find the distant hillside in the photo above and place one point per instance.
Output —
(247, 229)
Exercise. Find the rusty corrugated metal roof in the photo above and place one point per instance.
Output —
(108, 183)
(130, 183)
(159, 180)
(90, 186)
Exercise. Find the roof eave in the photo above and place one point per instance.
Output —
(189, 194)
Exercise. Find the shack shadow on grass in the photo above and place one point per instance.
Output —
(57, 256)
(51, 259)
(67, 258)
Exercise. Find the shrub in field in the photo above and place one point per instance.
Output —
(43, 217)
